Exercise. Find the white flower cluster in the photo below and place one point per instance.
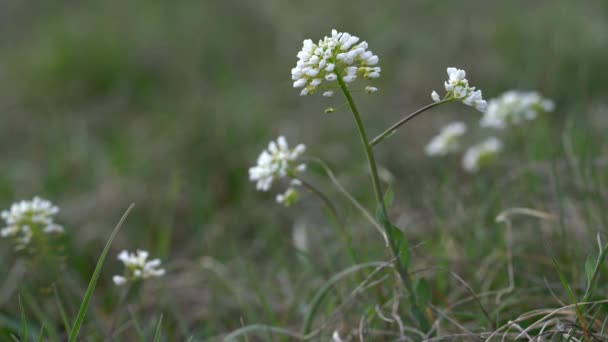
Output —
(514, 107)
(333, 57)
(27, 218)
(481, 154)
(137, 267)
(447, 141)
(457, 87)
(278, 161)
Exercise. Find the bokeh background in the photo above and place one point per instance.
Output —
(167, 104)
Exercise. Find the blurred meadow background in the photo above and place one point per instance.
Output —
(167, 105)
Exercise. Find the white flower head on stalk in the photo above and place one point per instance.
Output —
(447, 141)
(481, 154)
(277, 161)
(457, 87)
(27, 219)
(137, 267)
(515, 107)
(339, 55)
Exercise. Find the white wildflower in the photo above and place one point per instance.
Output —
(514, 107)
(278, 161)
(289, 197)
(435, 96)
(370, 90)
(339, 55)
(447, 141)
(481, 154)
(25, 219)
(329, 93)
(138, 267)
(457, 87)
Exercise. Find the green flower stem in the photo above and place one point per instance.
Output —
(399, 123)
(401, 269)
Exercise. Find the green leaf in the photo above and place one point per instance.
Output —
(590, 269)
(423, 291)
(389, 195)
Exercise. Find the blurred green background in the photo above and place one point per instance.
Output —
(167, 104)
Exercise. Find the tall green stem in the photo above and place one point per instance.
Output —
(388, 227)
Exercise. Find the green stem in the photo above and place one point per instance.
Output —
(387, 225)
(401, 122)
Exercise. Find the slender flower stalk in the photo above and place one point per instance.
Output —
(388, 227)
(401, 122)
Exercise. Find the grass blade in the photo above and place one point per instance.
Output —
(41, 333)
(93, 282)
(64, 316)
(23, 321)
(573, 300)
(158, 329)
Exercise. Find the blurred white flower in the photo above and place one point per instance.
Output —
(289, 197)
(435, 96)
(340, 54)
(481, 154)
(278, 161)
(370, 90)
(335, 337)
(138, 267)
(300, 237)
(447, 141)
(457, 87)
(514, 107)
(27, 218)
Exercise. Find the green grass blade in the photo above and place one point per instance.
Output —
(322, 292)
(41, 333)
(64, 316)
(93, 282)
(158, 329)
(23, 321)
(573, 300)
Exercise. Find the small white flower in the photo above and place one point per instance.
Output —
(435, 96)
(457, 87)
(329, 93)
(277, 161)
(339, 54)
(370, 90)
(289, 197)
(138, 267)
(335, 337)
(479, 155)
(119, 280)
(447, 141)
(515, 107)
(25, 219)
